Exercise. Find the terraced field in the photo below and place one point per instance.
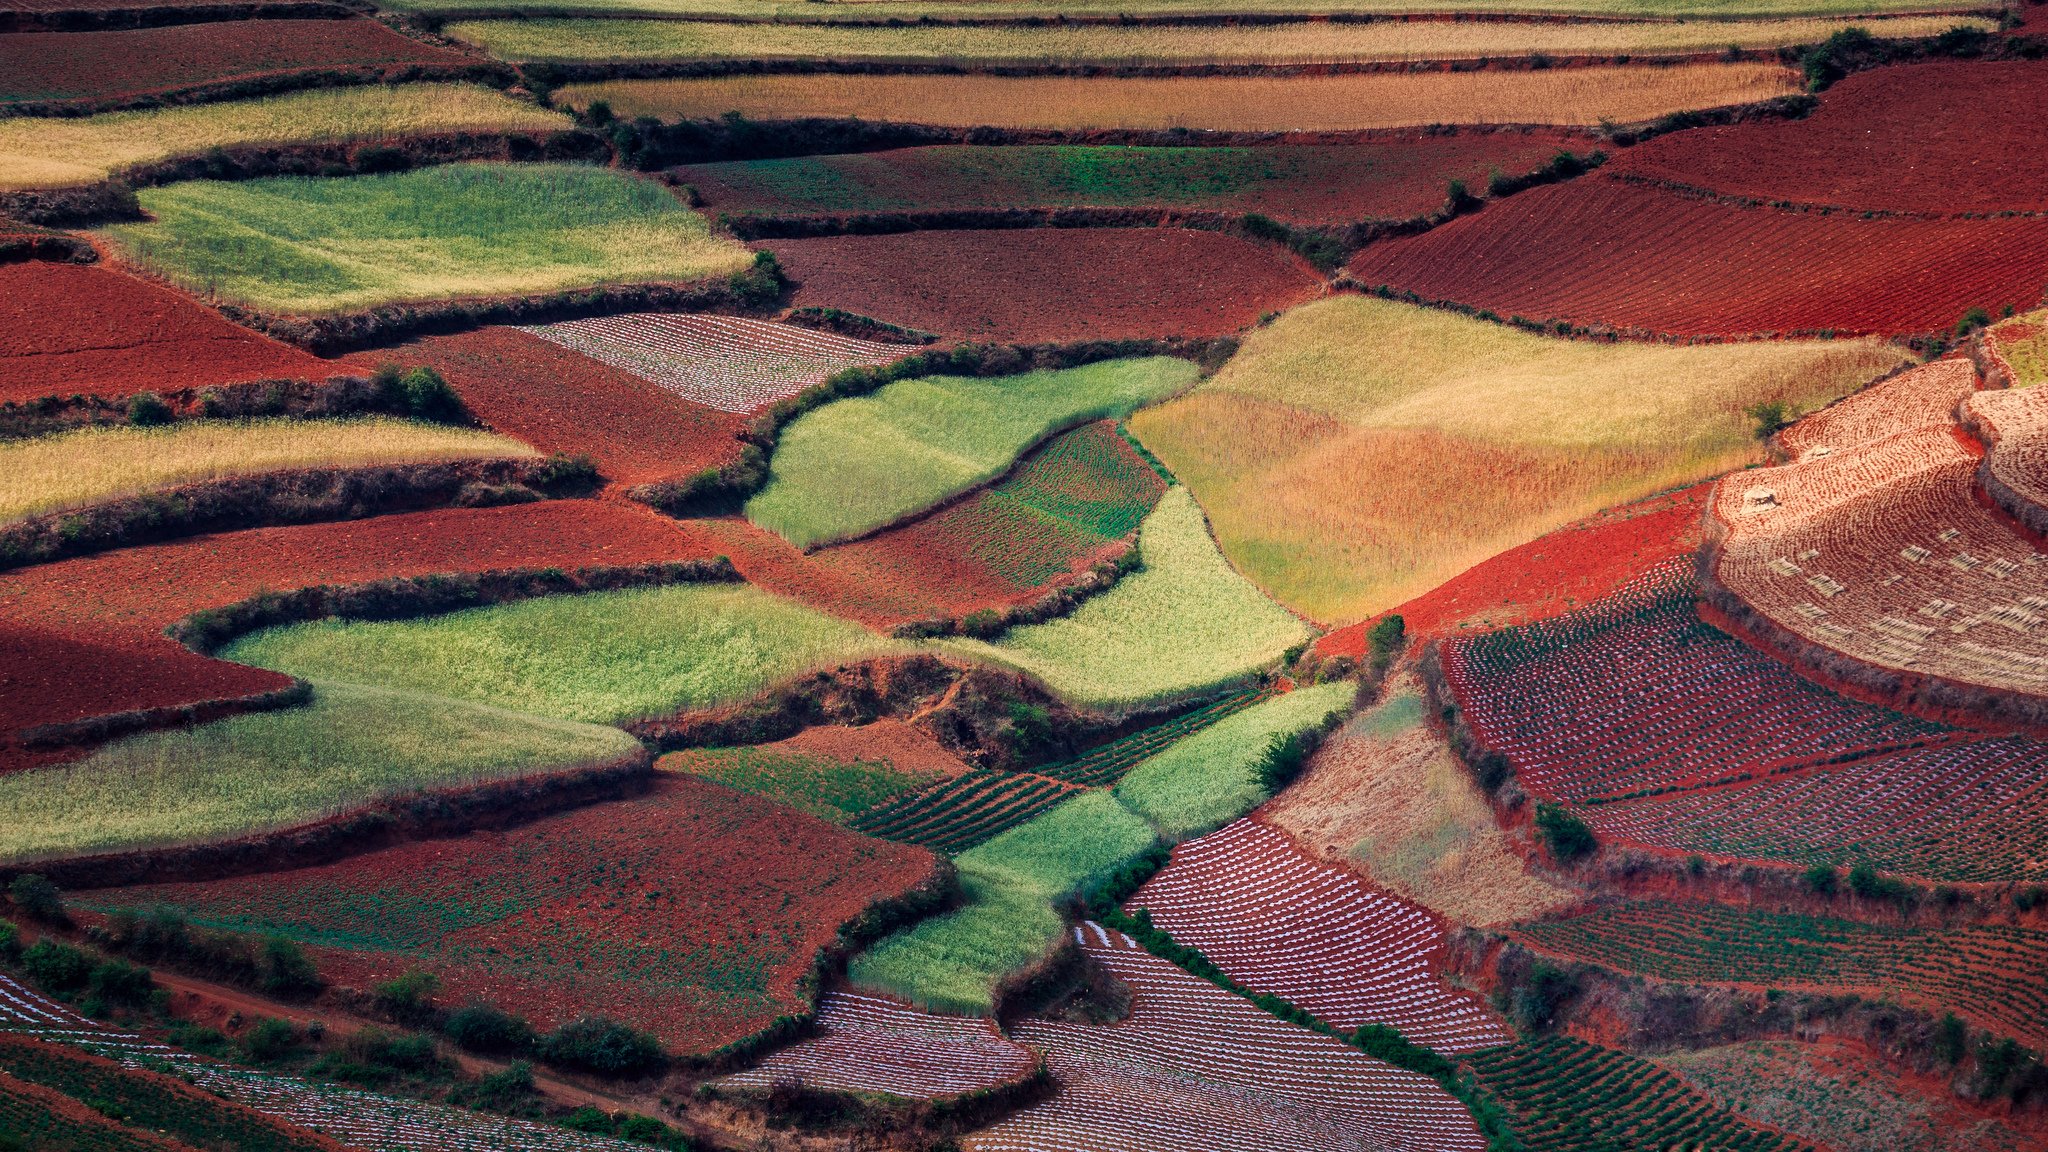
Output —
(867, 1044)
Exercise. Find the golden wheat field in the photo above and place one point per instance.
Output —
(1357, 452)
(49, 153)
(1570, 96)
(73, 469)
(1313, 42)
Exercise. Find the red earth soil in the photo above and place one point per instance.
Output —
(132, 62)
(1942, 138)
(123, 600)
(910, 749)
(563, 401)
(1051, 285)
(68, 1123)
(1601, 251)
(691, 912)
(75, 328)
(1392, 178)
(1551, 575)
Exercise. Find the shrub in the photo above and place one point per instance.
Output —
(376, 1048)
(1769, 417)
(1951, 1039)
(1458, 198)
(982, 624)
(1285, 757)
(1533, 1004)
(503, 1090)
(482, 1028)
(606, 1047)
(761, 285)
(269, 1041)
(2028, 898)
(1565, 835)
(38, 899)
(1821, 879)
(117, 982)
(10, 943)
(1864, 881)
(147, 410)
(1384, 641)
(284, 969)
(409, 996)
(56, 967)
(428, 397)
(1972, 320)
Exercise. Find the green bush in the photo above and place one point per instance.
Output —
(1973, 320)
(408, 996)
(502, 1091)
(284, 970)
(1768, 417)
(1951, 1039)
(1564, 834)
(10, 943)
(38, 899)
(482, 1028)
(118, 982)
(606, 1047)
(55, 967)
(1384, 640)
(148, 410)
(1821, 878)
(269, 1041)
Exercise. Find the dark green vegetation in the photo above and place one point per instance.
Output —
(1104, 766)
(959, 814)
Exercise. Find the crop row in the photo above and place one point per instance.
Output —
(1636, 693)
(1278, 922)
(1988, 973)
(1923, 397)
(1196, 1066)
(1104, 766)
(45, 1119)
(1973, 810)
(730, 363)
(868, 1044)
(1570, 1096)
(958, 814)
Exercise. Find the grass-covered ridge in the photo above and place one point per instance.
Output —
(602, 657)
(1307, 42)
(72, 469)
(1186, 622)
(351, 746)
(1206, 780)
(854, 465)
(1357, 452)
(48, 153)
(312, 245)
(951, 963)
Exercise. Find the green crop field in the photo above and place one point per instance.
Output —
(1206, 780)
(46, 153)
(951, 963)
(810, 10)
(854, 465)
(830, 789)
(312, 245)
(351, 746)
(1358, 452)
(72, 469)
(1309, 42)
(603, 657)
(1185, 623)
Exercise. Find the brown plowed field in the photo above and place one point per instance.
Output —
(1943, 138)
(691, 912)
(1600, 251)
(67, 328)
(562, 401)
(123, 600)
(1050, 284)
(97, 66)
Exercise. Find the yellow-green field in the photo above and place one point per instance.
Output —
(2023, 341)
(73, 469)
(50, 153)
(1566, 96)
(1300, 43)
(828, 10)
(313, 245)
(1358, 452)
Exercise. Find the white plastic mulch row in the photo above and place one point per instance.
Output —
(729, 363)
(359, 1119)
(1320, 937)
(869, 1044)
(1197, 1067)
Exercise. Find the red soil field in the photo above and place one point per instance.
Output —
(872, 591)
(910, 749)
(1941, 138)
(562, 401)
(690, 912)
(46, 1114)
(123, 600)
(1551, 575)
(132, 62)
(1050, 284)
(869, 1044)
(1601, 251)
(74, 328)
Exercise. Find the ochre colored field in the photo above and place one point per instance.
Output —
(1578, 96)
(912, 10)
(690, 912)
(1380, 179)
(46, 153)
(73, 469)
(1358, 452)
(68, 328)
(134, 62)
(1600, 251)
(1309, 42)
(1944, 137)
(1050, 285)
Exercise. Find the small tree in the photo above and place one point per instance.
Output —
(147, 410)
(606, 1047)
(1564, 834)
(1769, 417)
(56, 967)
(408, 996)
(284, 968)
(1384, 641)
(1821, 878)
(1972, 320)
(1951, 1039)
(38, 899)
